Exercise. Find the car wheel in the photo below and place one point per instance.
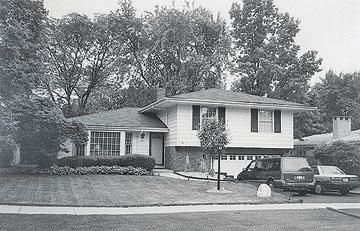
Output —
(270, 183)
(344, 191)
(319, 189)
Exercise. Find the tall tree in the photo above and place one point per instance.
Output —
(181, 50)
(338, 94)
(266, 55)
(22, 25)
(81, 53)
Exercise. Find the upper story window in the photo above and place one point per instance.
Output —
(203, 113)
(208, 113)
(265, 121)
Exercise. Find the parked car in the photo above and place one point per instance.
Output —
(329, 178)
(292, 173)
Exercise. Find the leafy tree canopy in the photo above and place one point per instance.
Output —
(341, 154)
(266, 55)
(338, 95)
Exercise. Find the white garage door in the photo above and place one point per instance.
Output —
(234, 164)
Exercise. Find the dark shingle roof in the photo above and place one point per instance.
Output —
(124, 117)
(214, 94)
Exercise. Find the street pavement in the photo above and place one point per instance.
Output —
(259, 220)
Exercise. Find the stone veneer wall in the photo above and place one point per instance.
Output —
(175, 158)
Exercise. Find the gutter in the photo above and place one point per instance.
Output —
(228, 103)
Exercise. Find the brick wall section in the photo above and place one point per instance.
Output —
(175, 158)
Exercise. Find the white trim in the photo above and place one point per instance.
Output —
(298, 108)
(115, 128)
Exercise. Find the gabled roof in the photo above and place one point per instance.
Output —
(326, 138)
(225, 97)
(215, 94)
(127, 118)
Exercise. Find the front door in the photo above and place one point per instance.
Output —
(157, 147)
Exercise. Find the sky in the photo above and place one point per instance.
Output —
(331, 27)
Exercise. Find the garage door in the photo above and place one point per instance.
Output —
(234, 164)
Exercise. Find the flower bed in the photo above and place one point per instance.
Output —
(66, 170)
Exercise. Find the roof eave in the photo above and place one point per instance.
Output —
(124, 128)
(296, 108)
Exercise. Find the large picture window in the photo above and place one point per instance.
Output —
(265, 121)
(128, 143)
(105, 144)
(208, 113)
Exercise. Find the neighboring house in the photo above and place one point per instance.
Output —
(341, 131)
(167, 129)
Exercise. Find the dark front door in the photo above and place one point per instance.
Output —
(157, 147)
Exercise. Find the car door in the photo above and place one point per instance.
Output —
(249, 172)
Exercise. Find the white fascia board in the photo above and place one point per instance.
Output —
(134, 129)
(294, 108)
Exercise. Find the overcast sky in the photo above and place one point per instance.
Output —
(332, 27)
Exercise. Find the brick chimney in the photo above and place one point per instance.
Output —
(341, 126)
(160, 93)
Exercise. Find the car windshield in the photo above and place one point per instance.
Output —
(331, 170)
(295, 165)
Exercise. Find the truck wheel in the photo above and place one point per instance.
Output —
(344, 191)
(319, 189)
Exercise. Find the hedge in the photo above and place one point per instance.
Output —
(134, 160)
(66, 170)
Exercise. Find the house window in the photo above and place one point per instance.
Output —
(249, 157)
(80, 150)
(105, 144)
(241, 157)
(208, 113)
(224, 157)
(265, 121)
(232, 157)
(257, 157)
(128, 143)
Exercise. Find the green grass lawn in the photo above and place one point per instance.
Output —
(117, 190)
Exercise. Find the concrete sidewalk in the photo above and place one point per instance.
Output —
(13, 209)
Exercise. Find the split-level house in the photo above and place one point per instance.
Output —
(167, 129)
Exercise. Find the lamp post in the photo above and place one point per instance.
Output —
(218, 180)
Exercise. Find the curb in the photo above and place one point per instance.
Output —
(200, 178)
(160, 205)
(343, 212)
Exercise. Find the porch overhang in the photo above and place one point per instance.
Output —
(118, 128)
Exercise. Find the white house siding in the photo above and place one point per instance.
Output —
(172, 124)
(69, 146)
(140, 145)
(238, 123)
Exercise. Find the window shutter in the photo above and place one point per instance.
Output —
(195, 117)
(221, 114)
(254, 120)
(277, 121)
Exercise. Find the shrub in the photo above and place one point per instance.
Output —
(344, 155)
(134, 160)
(66, 170)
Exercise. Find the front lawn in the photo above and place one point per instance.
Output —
(118, 190)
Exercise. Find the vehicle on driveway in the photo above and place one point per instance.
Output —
(329, 178)
(291, 173)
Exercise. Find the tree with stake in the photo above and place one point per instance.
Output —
(213, 139)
